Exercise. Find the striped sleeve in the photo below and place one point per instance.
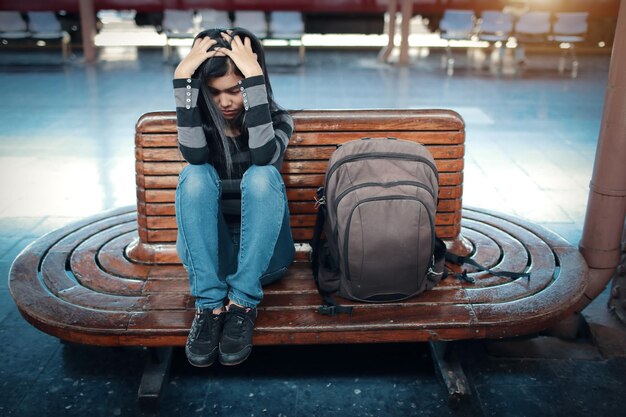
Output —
(268, 132)
(191, 139)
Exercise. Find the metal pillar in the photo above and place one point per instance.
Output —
(606, 209)
(88, 29)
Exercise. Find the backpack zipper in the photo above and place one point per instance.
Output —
(376, 155)
(376, 184)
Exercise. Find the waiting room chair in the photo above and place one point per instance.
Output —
(177, 24)
(567, 30)
(288, 26)
(455, 25)
(496, 26)
(210, 19)
(12, 26)
(254, 21)
(531, 27)
(46, 26)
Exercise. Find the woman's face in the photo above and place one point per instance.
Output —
(226, 94)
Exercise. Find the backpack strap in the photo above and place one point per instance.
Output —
(330, 307)
(460, 260)
(316, 241)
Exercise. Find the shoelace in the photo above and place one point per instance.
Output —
(200, 321)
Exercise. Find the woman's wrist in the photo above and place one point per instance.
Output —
(254, 74)
(182, 74)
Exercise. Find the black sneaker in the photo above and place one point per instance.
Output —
(236, 341)
(201, 348)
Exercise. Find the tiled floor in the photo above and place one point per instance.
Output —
(66, 151)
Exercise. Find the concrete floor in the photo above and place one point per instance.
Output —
(66, 151)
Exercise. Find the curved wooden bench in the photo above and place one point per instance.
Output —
(75, 283)
(114, 279)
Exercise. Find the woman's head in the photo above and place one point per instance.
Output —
(221, 101)
(220, 75)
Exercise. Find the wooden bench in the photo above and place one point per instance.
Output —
(114, 279)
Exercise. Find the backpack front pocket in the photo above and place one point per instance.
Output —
(384, 258)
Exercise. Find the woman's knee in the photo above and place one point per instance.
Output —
(261, 180)
(196, 180)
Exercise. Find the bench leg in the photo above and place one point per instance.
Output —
(155, 373)
(449, 370)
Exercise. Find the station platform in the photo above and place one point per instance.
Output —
(67, 152)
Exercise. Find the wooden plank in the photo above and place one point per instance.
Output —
(355, 120)
(289, 167)
(293, 194)
(295, 207)
(332, 138)
(541, 262)
(86, 269)
(307, 320)
(300, 234)
(303, 138)
(319, 167)
(169, 300)
(296, 220)
(292, 153)
(157, 140)
(305, 234)
(291, 180)
(161, 284)
(159, 168)
(337, 120)
(300, 152)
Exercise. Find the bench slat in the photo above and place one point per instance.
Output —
(299, 234)
(337, 120)
(289, 167)
(293, 180)
(297, 220)
(293, 194)
(316, 167)
(296, 207)
(292, 153)
(427, 138)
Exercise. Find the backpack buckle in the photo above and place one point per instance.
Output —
(320, 198)
(431, 269)
(333, 310)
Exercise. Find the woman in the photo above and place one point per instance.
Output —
(231, 205)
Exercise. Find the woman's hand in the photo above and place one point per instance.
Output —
(198, 54)
(242, 55)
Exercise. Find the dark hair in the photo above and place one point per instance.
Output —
(213, 121)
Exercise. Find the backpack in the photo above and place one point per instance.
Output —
(377, 212)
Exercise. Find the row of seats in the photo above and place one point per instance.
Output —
(283, 25)
(37, 26)
(497, 26)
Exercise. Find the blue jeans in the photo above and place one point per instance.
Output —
(226, 263)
